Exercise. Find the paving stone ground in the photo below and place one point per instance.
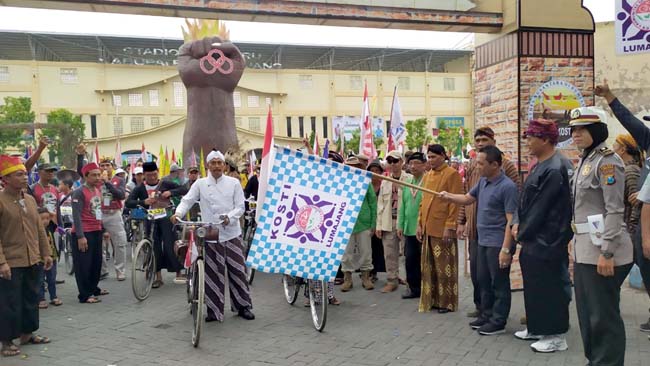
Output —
(369, 328)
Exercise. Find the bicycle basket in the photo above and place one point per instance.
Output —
(139, 214)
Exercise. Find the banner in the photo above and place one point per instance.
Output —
(346, 125)
(309, 211)
(554, 100)
(632, 26)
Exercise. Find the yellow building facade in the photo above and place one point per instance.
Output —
(145, 103)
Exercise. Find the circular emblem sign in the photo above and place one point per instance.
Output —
(641, 14)
(309, 219)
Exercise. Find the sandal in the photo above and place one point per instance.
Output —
(157, 283)
(92, 300)
(56, 302)
(10, 351)
(334, 301)
(35, 339)
(103, 292)
(42, 304)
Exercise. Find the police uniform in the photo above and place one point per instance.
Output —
(598, 189)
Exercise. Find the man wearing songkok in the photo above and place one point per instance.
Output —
(156, 193)
(23, 247)
(221, 198)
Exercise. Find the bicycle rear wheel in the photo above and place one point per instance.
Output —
(198, 299)
(67, 254)
(291, 287)
(318, 303)
(143, 270)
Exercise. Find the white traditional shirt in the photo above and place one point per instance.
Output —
(216, 197)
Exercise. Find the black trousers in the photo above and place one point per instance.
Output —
(163, 246)
(473, 271)
(601, 326)
(378, 261)
(19, 302)
(412, 251)
(495, 286)
(546, 298)
(642, 262)
(88, 265)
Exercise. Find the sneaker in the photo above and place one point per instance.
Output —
(491, 329)
(645, 327)
(549, 344)
(524, 335)
(478, 323)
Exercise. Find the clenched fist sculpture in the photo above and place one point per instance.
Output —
(210, 79)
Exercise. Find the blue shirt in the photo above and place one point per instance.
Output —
(496, 197)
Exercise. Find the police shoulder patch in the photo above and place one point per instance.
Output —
(607, 174)
(606, 151)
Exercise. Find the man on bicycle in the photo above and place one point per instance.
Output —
(156, 193)
(221, 198)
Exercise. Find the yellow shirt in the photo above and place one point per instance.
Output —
(435, 214)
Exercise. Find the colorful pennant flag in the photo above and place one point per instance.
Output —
(366, 146)
(397, 133)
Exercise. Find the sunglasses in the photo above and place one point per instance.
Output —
(392, 161)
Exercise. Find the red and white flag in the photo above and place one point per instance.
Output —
(366, 146)
(118, 153)
(397, 133)
(95, 155)
(268, 154)
(143, 153)
(316, 149)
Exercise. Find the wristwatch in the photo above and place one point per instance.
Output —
(505, 250)
(607, 255)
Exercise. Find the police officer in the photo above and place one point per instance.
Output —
(603, 248)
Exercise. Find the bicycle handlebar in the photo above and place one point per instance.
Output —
(197, 223)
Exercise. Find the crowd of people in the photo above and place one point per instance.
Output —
(592, 213)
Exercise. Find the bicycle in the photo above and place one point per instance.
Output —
(250, 225)
(144, 260)
(317, 292)
(196, 272)
(136, 223)
(66, 251)
(65, 245)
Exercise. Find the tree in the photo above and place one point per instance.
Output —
(450, 139)
(353, 143)
(15, 110)
(65, 130)
(417, 134)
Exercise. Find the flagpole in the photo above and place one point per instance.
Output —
(384, 177)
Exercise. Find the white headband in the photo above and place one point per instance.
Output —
(215, 155)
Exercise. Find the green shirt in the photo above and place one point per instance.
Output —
(367, 218)
(407, 217)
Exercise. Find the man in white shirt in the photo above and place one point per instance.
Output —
(221, 198)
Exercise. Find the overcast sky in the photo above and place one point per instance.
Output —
(58, 21)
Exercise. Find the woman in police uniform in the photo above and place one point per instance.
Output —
(603, 249)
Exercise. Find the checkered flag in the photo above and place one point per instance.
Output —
(308, 214)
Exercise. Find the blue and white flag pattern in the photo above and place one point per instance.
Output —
(308, 215)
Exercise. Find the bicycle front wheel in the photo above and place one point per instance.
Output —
(143, 270)
(67, 254)
(291, 288)
(318, 303)
(198, 299)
